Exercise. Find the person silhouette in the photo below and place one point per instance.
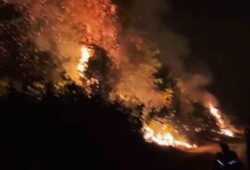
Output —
(227, 159)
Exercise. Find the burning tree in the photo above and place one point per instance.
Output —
(97, 71)
(98, 53)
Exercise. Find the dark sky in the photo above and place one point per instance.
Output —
(218, 33)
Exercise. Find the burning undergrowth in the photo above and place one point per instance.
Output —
(91, 46)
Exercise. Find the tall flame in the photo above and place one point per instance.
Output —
(220, 121)
(83, 63)
(216, 113)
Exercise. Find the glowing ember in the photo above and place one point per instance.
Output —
(228, 132)
(220, 122)
(83, 63)
(164, 138)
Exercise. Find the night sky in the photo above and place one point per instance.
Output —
(218, 33)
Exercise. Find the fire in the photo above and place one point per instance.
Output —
(83, 63)
(82, 66)
(227, 132)
(164, 137)
(96, 22)
(216, 113)
(224, 129)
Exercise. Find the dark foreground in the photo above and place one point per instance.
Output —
(62, 133)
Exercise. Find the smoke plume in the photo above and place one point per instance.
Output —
(174, 48)
(138, 50)
(137, 42)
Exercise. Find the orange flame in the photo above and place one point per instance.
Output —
(83, 63)
(220, 122)
(164, 137)
(216, 113)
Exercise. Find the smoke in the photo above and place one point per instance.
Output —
(172, 52)
(174, 48)
(151, 19)
(138, 48)
(61, 27)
